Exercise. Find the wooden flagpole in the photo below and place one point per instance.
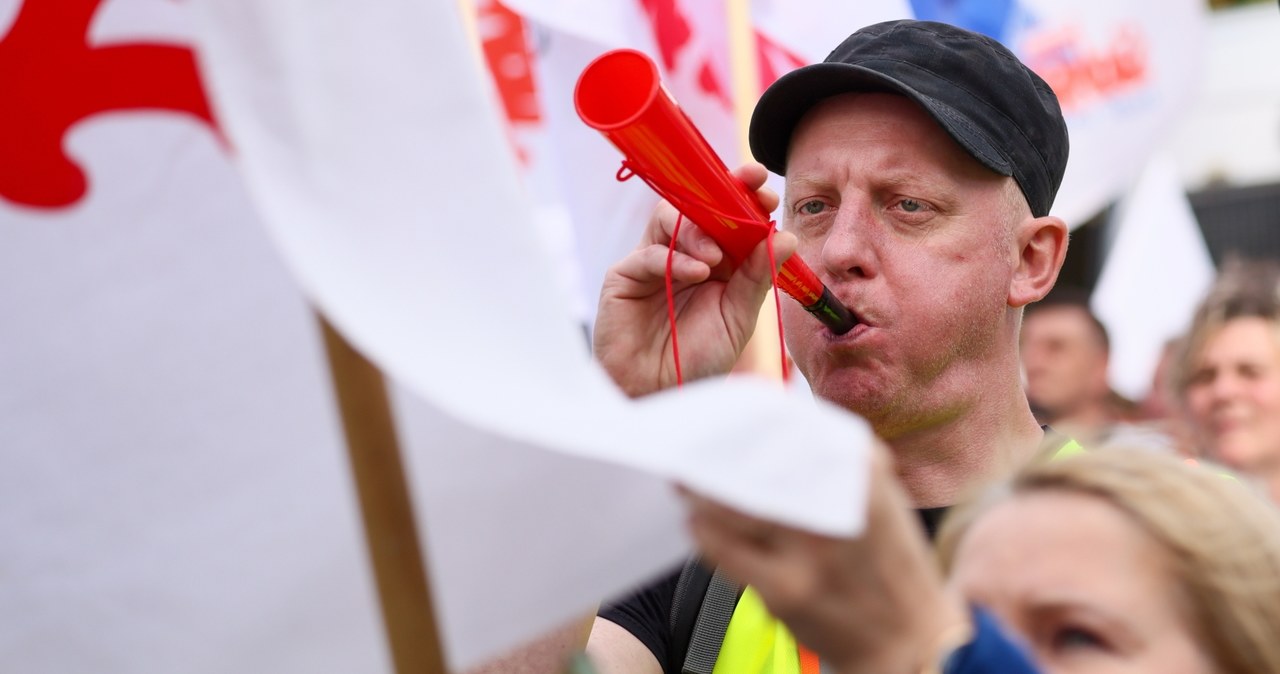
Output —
(385, 504)
(744, 65)
(386, 508)
(761, 354)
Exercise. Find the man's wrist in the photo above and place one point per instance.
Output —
(938, 644)
(927, 648)
(942, 657)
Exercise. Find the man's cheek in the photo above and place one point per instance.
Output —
(811, 251)
(795, 320)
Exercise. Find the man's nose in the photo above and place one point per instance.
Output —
(850, 248)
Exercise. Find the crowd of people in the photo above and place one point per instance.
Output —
(1020, 516)
(1215, 395)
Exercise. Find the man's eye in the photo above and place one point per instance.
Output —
(911, 205)
(813, 207)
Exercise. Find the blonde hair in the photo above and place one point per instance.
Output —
(1221, 539)
(1243, 289)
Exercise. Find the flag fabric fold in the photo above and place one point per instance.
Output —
(386, 183)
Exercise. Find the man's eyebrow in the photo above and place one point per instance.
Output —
(804, 183)
(891, 178)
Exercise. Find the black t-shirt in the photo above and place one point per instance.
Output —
(647, 613)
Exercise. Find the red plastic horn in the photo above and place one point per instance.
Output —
(620, 94)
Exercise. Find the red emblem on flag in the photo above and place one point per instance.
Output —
(52, 78)
(673, 33)
(775, 60)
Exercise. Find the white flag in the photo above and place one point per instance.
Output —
(689, 43)
(1124, 72)
(174, 494)
(1156, 273)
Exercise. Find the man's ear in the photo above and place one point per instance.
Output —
(1042, 246)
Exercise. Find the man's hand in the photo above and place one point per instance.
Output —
(871, 604)
(716, 308)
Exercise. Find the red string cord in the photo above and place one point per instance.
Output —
(671, 301)
(628, 170)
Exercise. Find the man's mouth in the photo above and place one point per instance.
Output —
(833, 313)
(860, 326)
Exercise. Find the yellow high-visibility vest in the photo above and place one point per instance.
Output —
(756, 642)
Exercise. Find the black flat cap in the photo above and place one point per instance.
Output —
(995, 107)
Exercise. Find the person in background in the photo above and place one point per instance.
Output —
(1161, 401)
(1161, 409)
(1228, 378)
(1124, 561)
(1065, 353)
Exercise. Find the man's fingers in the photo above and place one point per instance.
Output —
(693, 240)
(741, 559)
(725, 516)
(661, 223)
(698, 244)
(747, 287)
(776, 560)
(768, 198)
(756, 267)
(643, 272)
(742, 545)
(754, 176)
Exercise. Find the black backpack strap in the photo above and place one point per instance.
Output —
(712, 624)
(690, 589)
(700, 613)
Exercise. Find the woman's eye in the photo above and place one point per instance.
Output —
(1252, 372)
(1201, 377)
(1075, 637)
(813, 207)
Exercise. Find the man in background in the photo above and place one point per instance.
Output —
(1066, 352)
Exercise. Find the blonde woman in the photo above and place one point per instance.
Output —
(1124, 561)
